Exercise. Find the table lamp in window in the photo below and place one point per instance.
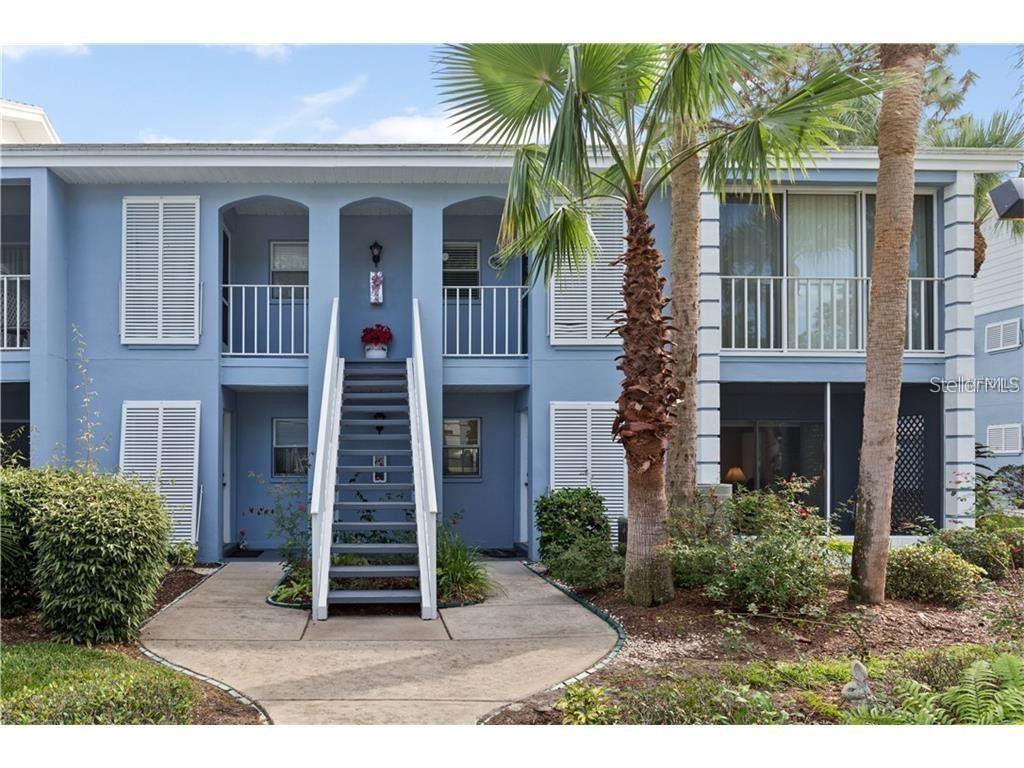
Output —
(735, 476)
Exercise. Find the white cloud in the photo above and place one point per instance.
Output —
(19, 52)
(269, 52)
(309, 122)
(404, 129)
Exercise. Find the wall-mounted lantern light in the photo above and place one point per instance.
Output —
(1008, 199)
(375, 251)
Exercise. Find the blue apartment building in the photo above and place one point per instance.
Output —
(221, 291)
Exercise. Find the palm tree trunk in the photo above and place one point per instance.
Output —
(980, 247)
(685, 264)
(894, 214)
(643, 421)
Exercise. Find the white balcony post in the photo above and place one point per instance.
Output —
(709, 342)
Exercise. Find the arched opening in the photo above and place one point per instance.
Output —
(264, 256)
(375, 292)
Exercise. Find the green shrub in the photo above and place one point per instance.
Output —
(583, 704)
(461, 577)
(68, 685)
(998, 521)
(706, 520)
(931, 575)
(101, 542)
(699, 700)
(694, 565)
(182, 554)
(22, 492)
(988, 693)
(588, 563)
(982, 548)
(568, 514)
(297, 586)
(1014, 539)
(777, 573)
(781, 509)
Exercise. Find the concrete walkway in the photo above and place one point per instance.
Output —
(380, 669)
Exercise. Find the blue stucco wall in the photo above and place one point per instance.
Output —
(992, 406)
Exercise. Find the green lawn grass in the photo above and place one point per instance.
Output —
(66, 684)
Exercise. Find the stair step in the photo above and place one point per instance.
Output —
(362, 596)
(363, 396)
(374, 549)
(374, 525)
(371, 486)
(375, 505)
(367, 469)
(375, 371)
(375, 422)
(373, 571)
(388, 436)
(370, 408)
(376, 451)
(374, 383)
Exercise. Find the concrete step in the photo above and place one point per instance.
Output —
(373, 384)
(371, 408)
(375, 505)
(374, 571)
(382, 437)
(369, 596)
(373, 525)
(362, 397)
(374, 549)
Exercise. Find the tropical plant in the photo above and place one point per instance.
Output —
(607, 112)
(461, 577)
(1002, 129)
(890, 267)
(583, 704)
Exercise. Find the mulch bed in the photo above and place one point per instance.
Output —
(687, 636)
(213, 706)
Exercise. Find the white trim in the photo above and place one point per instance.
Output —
(478, 445)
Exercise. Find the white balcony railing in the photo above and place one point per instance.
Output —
(15, 291)
(485, 321)
(260, 320)
(819, 314)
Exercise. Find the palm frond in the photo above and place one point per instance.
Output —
(561, 243)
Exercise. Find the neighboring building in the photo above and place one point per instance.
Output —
(202, 279)
(998, 317)
(25, 124)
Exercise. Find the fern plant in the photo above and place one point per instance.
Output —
(987, 694)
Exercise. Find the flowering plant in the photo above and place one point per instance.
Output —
(378, 334)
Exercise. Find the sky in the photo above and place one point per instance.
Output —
(277, 93)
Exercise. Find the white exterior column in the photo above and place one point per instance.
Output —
(958, 406)
(709, 344)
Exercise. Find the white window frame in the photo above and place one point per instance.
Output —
(591, 339)
(270, 258)
(274, 446)
(478, 446)
(475, 244)
(1015, 323)
(1014, 429)
(159, 340)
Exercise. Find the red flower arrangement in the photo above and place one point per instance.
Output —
(378, 335)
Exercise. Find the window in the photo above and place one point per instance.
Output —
(755, 454)
(751, 236)
(1004, 438)
(291, 448)
(461, 263)
(462, 447)
(922, 235)
(289, 263)
(160, 270)
(584, 304)
(1002, 336)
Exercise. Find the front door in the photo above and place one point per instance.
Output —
(225, 484)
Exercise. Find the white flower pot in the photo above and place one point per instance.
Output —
(376, 351)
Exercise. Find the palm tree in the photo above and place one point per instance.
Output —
(1001, 130)
(894, 213)
(607, 112)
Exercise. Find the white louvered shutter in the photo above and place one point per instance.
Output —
(584, 303)
(160, 271)
(160, 445)
(1004, 438)
(1003, 335)
(583, 454)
